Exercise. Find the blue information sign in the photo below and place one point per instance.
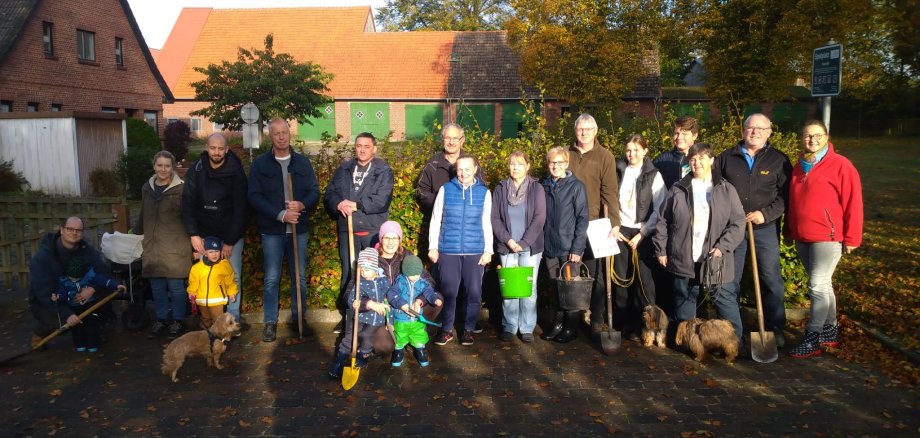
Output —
(825, 70)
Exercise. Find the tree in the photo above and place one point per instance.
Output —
(586, 52)
(407, 15)
(176, 138)
(135, 166)
(277, 83)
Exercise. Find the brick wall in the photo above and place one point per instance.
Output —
(27, 75)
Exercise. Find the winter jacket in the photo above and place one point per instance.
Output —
(670, 164)
(565, 230)
(673, 236)
(49, 264)
(461, 222)
(214, 200)
(597, 170)
(371, 290)
(826, 204)
(211, 284)
(68, 288)
(765, 187)
(373, 196)
(437, 172)
(392, 267)
(402, 291)
(266, 191)
(645, 203)
(534, 217)
(167, 251)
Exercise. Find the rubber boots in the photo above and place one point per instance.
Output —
(335, 371)
(558, 325)
(572, 325)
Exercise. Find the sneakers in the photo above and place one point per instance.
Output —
(828, 335)
(157, 329)
(443, 338)
(269, 333)
(421, 356)
(808, 348)
(478, 328)
(507, 336)
(340, 327)
(397, 358)
(467, 338)
(527, 337)
(175, 329)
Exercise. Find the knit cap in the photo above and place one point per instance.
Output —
(412, 265)
(367, 258)
(391, 227)
(212, 243)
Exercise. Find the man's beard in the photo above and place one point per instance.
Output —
(216, 162)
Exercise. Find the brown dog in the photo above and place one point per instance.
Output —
(209, 344)
(703, 336)
(656, 326)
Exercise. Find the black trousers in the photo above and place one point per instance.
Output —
(630, 301)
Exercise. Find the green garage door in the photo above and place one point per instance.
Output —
(699, 111)
(326, 123)
(421, 119)
(370, 117)
(512, 119)
(477, 118)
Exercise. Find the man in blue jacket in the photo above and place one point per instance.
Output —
(362, 188)
(283, 191)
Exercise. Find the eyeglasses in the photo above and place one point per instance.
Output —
(453, 139)
(73, 230)
(390, 239)
(814, 137)
(756, 129)
(558, 163)
(584, 129)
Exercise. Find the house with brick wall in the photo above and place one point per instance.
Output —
(78, 55)
(396, 84)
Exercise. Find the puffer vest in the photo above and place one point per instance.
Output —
(461, 223)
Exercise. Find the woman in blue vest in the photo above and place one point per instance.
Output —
(460, 242)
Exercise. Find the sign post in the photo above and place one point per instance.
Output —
(826, 76)
(251, 132)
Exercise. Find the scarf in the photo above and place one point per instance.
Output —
(519, 196)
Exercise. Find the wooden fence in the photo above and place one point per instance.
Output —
(25, 220)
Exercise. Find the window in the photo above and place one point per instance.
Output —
(48, 38)
(171, 121)
(195, 124)
(32, 107)
(86, 45)
(6, 106)
(130, 112)
(217, 127)
(119, 52)
(151, 118)
(55, 107)
(108, 109)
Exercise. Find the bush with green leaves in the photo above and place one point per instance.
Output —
(136, 166)
(105, 183)
(10, 179)
(176, 138)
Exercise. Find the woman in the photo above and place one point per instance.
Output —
(825, 220)
(701, 223)
(518, 215)
(641, 194)
(564, 233)
(460, 242)
(390, 257)
(167, 253)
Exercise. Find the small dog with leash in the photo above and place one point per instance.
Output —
(703, 336)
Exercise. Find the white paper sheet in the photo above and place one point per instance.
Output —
(601, 246)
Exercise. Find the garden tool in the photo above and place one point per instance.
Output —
(763, 343)
(611, 339)
(422, 318)
(296, 266)
(350, 373)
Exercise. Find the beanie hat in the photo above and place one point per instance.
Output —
(391, 227)
(412, 265)
(76, 267)
(367, 258)
(212, 243)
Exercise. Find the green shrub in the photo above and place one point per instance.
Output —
(135, 167)
(105, 183)
(10, 179)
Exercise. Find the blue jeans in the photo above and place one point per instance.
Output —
(766, 243)
(236, 261)
(274, 248)
(820, 260)
(521, 313)
(687, 290)
(169, 295)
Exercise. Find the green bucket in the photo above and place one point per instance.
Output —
(516, 282)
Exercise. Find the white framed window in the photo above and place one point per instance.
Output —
(48, 38)
(86, 45)
(151, 118)
(195, 124)
(217, 127)
(170, 121)
(119, 52)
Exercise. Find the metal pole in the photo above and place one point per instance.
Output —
(826, 110)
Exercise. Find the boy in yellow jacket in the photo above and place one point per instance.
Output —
(210, 282)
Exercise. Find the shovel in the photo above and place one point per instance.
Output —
(350, 373)
(763, 343)
(64, 327)
(296, 266)
(611, 339)
(422, 318)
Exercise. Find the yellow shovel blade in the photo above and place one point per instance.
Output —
(350, 375)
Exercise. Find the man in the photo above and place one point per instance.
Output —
(283, 191)
(760, 174)
(48, 265)
(214, 204)
(673, 164)
(441, 167)
(596, 168)
(362, 188)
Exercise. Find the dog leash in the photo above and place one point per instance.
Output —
(707, 288)
(628, 281)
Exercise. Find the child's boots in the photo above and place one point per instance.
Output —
(335, 372)
(421, 356)
(397, 358)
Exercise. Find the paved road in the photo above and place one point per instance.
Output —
(488, 389)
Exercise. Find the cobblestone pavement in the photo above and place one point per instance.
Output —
(488, 389)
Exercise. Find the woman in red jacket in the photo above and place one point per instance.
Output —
(825, 219)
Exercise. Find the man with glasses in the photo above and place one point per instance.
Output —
(440, 168)
(362, 188)
(760, 175)
(48, 265)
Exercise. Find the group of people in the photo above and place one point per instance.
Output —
(679, 222)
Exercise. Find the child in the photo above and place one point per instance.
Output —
(410, 290)
(374, 286)
(210, 282)
(86, 334)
